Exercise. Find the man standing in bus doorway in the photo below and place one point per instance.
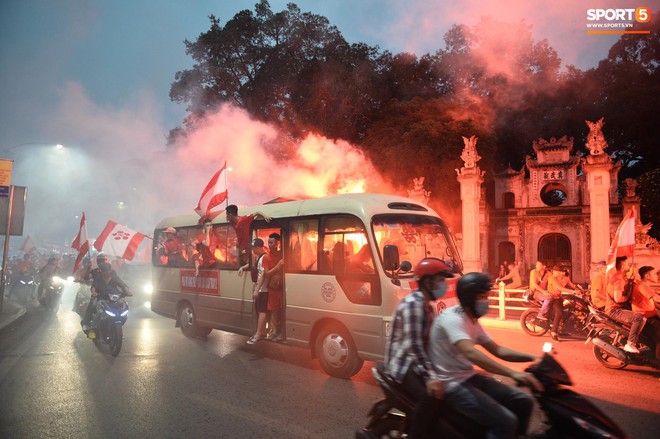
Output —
(205, 244)
(241, 225)
(260, 292)
(273, 266)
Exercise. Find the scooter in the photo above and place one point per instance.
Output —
(107, 324)
(568, 415)
(609, 337)
(574, 318)
(52, 294)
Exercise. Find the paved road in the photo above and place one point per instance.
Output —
(56, 383)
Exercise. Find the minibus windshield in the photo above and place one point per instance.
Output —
(416, 237)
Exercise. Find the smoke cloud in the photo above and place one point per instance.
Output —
(115, 165)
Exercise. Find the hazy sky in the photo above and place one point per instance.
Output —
(95, 76)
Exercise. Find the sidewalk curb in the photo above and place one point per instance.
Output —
(7, 320)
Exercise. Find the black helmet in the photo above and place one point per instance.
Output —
(471, 285)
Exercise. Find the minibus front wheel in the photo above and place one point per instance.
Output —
(336, 351)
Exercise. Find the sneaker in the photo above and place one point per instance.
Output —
(541, 317)
(630, 348)
(253, 339)
(554, 336)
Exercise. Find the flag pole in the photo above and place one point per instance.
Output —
(226, 187)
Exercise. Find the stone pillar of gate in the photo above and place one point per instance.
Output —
(598, 166)
(470, 178)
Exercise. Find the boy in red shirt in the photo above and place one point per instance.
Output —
(241, 225)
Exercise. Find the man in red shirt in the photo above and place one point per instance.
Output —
(241, 225)
(205, 244)
(273, 264)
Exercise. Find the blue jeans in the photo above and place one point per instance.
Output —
(503, 410)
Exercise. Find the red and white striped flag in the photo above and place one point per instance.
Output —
(118, 240)
(81, 243)
(623, 243)
(28, 245)
(214, 194)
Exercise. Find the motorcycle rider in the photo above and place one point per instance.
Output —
(538, 284)
(23, 269)
(598, 286)
(101, 285)
(406, 357)
(616, 296)
(643, 303)
(557, 284)
(503, 410)
(97, 274)
(46, 274)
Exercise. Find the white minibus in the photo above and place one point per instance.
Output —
(347, 264)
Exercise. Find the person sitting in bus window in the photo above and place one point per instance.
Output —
(205, 244)
(171, 249)
(242, 226)
(273, 266)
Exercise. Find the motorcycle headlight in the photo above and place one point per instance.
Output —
(57, 280)
(124, 313)
(109, 312)
(149, 288)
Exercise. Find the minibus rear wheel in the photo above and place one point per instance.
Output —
(188, 320)
(336, 351)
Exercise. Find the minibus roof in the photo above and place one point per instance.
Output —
(363, 205)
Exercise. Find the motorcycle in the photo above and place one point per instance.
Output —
(23, 289)
(609, 337)
(574, 318)
(52, 294)
(108, 322)
(568, 415)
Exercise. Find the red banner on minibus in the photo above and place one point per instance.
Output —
(205, 283)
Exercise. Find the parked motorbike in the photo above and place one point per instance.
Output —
(108, 322)
(574, 318)
(568, 415)
(609, 337)
(52, 294)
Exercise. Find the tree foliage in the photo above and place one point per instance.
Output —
(295, 70)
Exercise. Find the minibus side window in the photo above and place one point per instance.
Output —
(171, 250)
(227, 250)
(302, 253)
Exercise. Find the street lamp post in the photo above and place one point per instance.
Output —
(8, 152)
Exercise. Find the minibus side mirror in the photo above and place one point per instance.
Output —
(390, 257)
